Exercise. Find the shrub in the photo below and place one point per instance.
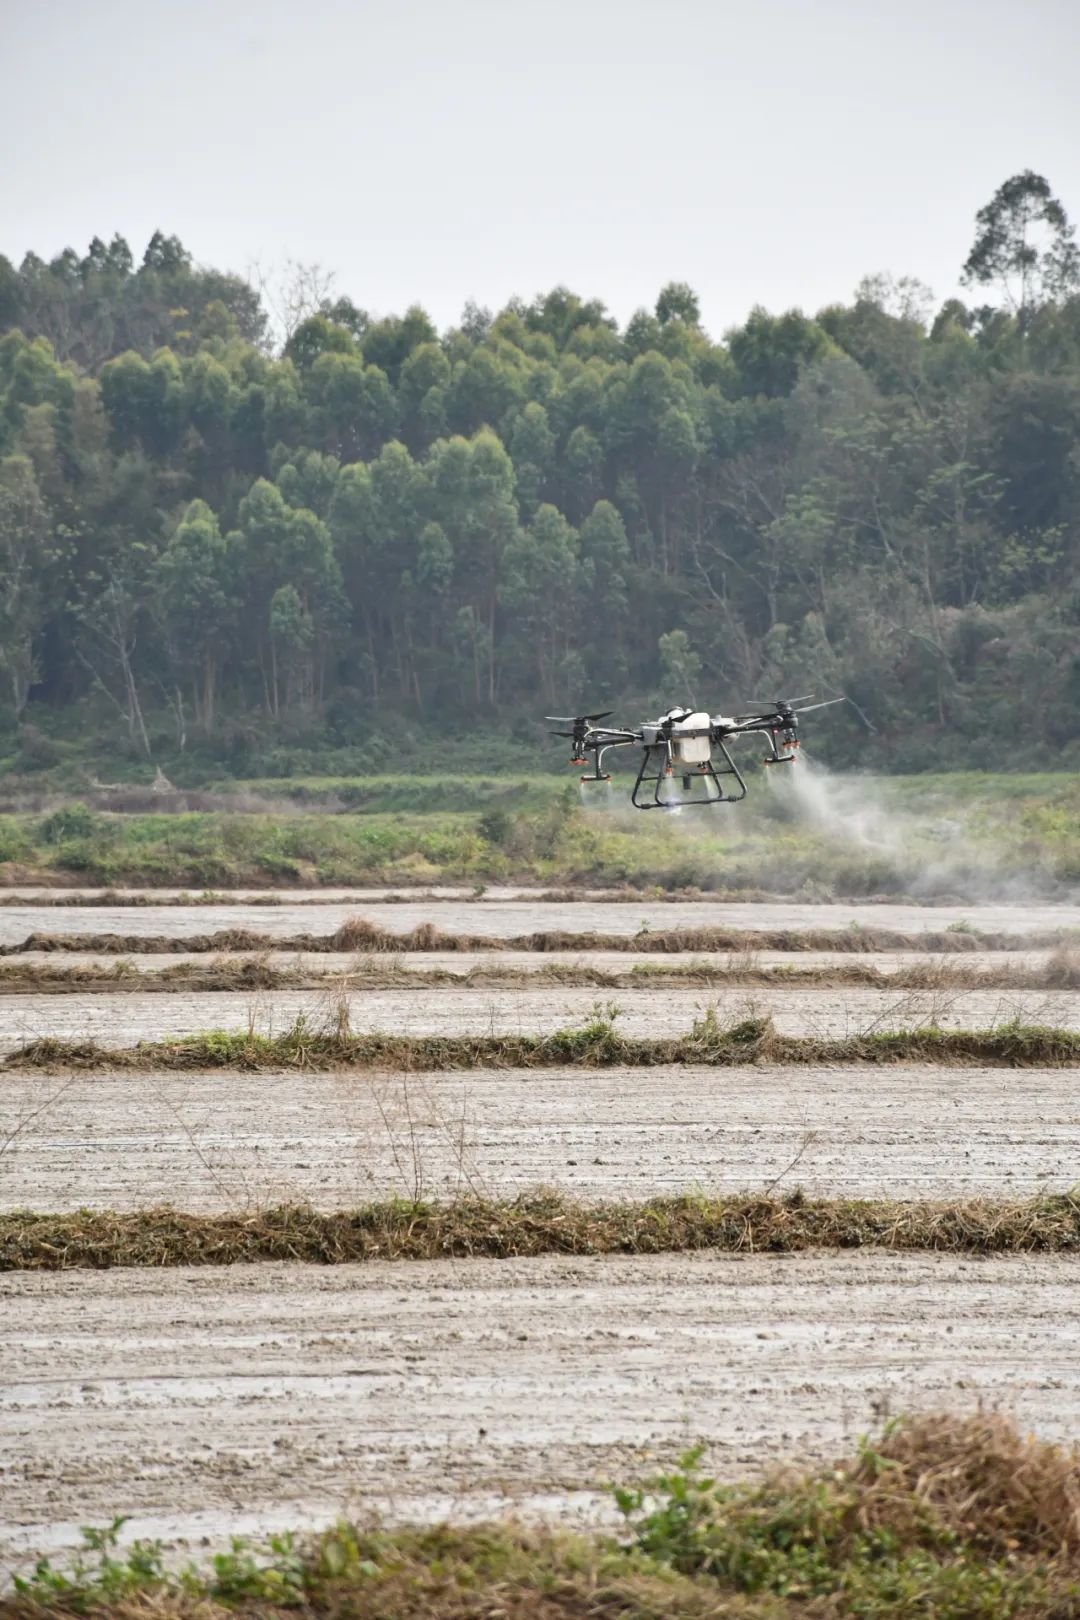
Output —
(72, 821)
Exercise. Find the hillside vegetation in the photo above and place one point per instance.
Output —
(221, 539)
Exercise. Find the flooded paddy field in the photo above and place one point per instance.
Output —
(208, 1401)
(276, 1395)
(221, 1142)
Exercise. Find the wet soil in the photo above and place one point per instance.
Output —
(122, 1018)
(219, 1400)
(206, 1401)
(227, 1141)
(502, 918)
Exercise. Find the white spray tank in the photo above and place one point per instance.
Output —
(687, 749)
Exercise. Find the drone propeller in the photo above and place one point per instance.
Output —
(771, 705)
(580, 723)
(574, 719)
(828, 703)
(787, 706)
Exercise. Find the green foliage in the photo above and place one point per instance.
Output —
(71, 822)
(106, 1579)
(1007, 249)
(236, 552)
(965, 834)
(804, 1543)
(680, 666)
(276, 1574)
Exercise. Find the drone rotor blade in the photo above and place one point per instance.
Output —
(576, 719)
(562, 734)
(775, 703)
(828, 703)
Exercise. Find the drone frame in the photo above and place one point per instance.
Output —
(667, 768)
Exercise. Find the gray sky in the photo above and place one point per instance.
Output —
(766, 151)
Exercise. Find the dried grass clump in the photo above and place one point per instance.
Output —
(534, 1224)
(1061, 971)
(225, 939)
(221, 973)
(995, 1488)
(361, 934)
(379, 968)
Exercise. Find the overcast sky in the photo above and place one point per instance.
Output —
(431, 151)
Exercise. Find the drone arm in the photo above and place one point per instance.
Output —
(606, 738)
(614, 733)
(774, 726)
(597, 743)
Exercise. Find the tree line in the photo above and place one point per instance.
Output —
(231, 512)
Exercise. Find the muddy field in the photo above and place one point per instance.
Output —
(213, 1142)
(122, 1018)
(206, 1401)
(504, 918)
(346, 964)
(273, 1396)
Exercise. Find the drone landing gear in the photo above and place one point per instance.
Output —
(697, 783)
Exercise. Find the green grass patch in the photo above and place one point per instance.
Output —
(955, 1518)
(967, 836)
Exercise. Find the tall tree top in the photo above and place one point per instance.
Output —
(1025, 245)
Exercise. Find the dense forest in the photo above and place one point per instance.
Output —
(232, 519)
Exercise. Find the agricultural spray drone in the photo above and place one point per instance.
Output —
(685, 753)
